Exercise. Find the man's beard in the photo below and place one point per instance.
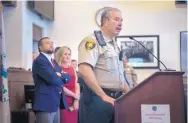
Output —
(49, 52)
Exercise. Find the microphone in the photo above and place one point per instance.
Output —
(166, 69)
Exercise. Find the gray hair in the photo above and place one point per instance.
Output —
(105, 14)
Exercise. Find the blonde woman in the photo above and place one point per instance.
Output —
(63, 58)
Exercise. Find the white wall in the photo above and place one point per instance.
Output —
(13, 34)
(75, 20)
(18, 37)
(30, 18)
(18, 34)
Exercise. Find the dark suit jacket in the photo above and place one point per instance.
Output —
(47, 84)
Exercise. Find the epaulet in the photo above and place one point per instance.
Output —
(100, 38)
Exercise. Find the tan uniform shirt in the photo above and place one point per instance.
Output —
(105, 61)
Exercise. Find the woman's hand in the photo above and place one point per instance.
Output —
(76, 104)
(76, 96)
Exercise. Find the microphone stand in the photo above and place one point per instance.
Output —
(166, 69)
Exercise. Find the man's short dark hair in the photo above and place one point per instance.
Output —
(56, 49)
(73, 60)
(40, 42)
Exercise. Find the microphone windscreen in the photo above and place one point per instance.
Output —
(131, 37)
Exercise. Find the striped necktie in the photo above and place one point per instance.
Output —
(53, 64)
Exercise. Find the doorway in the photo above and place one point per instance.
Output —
(37, 35)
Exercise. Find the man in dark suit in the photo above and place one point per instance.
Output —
(49, 81)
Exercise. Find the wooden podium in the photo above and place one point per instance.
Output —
(159, 88)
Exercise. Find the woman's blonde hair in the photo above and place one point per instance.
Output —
(59, 54)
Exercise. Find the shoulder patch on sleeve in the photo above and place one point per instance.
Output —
(90, 44)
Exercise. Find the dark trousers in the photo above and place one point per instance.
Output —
(94, 110)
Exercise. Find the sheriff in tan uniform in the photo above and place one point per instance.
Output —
(105, 61)
(102, 71)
